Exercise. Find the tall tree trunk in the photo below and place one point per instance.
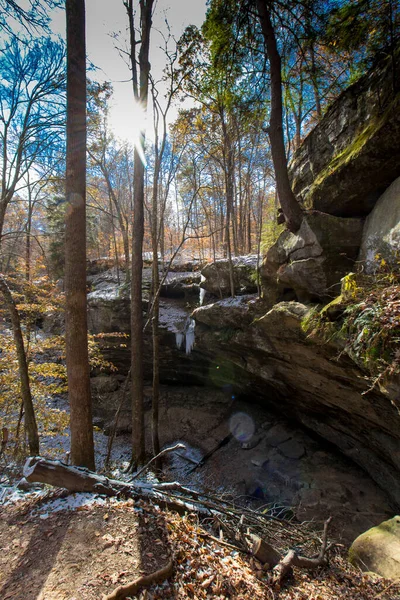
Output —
(228, 172)
(138, 438)
(114, 239)
(155, 332)
(290, 206)
(3, 210)
(82, 450)
(140, 89)
(30, 420)
(124, 229)
(28, 243)
(314, 79)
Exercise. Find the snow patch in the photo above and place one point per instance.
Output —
(73, 502)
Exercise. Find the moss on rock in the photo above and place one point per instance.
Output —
(378, 549)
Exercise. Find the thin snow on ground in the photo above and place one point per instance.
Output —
(57, 447)
(74, 501)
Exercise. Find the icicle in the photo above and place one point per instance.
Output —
(179, 339)
(202, 291)
(190, 336)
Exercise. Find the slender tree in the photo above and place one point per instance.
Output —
(140, 78)
(82, 451)
(290, 206)
(31, 429)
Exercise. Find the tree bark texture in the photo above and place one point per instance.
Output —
(140, 88)
(290, 206)
(229, 176)
(156, 313)
(31, 429)
(138, 437)
(82, 451)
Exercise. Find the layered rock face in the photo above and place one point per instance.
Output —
(216, 278)
(109, 315)
(338, 174)
(309, 264)
(266, 459)
(353, 154)
(266, 355)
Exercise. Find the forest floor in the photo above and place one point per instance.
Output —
(79, 547)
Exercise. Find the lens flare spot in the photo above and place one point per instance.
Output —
(242, 426)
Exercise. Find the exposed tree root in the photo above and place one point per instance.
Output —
(131, 589)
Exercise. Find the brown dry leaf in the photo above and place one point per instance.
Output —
(206, 584)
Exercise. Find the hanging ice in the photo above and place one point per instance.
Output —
(179, 339)
(202, 291)
(190, 335)
(187, 334)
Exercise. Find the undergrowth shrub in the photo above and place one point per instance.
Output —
(364, 320)
(45, 353)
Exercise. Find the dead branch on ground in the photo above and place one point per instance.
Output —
(155, 458)
(292, 559)
(254, 526)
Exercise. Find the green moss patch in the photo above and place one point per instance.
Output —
(353, 150)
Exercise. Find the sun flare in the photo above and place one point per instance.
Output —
(129, 121)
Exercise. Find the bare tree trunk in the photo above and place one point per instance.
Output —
(3, 210)
(140, 88)
(156, 339)
(138, 441)
(82, 450)
(124, 229)
(30, 420)
(28, 243)
(228, 171)
(114, 239)
(290, 206)
(314, 80)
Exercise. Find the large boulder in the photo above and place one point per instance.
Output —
(216, 279)
(228, 311)
(109, 310)
(183, 284)
(308, 265)
(378, 549)
(381, 235)
(353, 154)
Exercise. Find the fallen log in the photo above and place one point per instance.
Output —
(74, 479)
(79, 479)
